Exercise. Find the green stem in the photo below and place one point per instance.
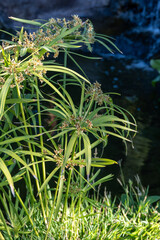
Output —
(68, 183)
(82, 172)
(53, 207)
(81, 169)
(26, 211)
(26, 179)
(60, 191)
(26, 130)
(66, 194)
(42, 145)
(32, 158)
(82, 100)
(90, 106)
(5, 225)
(65, 65)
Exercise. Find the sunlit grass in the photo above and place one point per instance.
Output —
(133, 215)
(103, 219)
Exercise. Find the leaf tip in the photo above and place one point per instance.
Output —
(88, 177)
(35, 177)
(12, 190)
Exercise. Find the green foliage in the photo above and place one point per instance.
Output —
(98, 218)
(155, 63)
(67, 142)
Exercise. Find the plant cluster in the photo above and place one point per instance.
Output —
(28, 147)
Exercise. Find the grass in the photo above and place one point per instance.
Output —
(133, 216)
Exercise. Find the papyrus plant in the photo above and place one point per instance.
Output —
(27, 146)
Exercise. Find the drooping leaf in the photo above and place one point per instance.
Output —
(153, 199)
(48, 179)
(70, 147)
(17, 158)
(7, 174)
(32, 22)
(155, 63)
(3, 94)
(87, 147)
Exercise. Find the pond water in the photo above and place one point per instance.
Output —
(131, 75)
(137, 34)
(132, 78)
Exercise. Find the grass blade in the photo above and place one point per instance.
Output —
(17, 158)
(3, 95)
(87, 147)
(32, 22)
(7, 174)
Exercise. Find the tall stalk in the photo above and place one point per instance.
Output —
(66, 194)
(42, 145)
(65, 65)
(53, 208)
(32, 158)
(68, 184)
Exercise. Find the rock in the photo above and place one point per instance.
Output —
(47, 9)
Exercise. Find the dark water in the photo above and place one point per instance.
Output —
(131, 75)
(137, 34)
(132, 79)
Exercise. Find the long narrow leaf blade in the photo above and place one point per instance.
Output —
(32, 22)
(7, 174)
(87, 147)
(17, 158)
(3, 95)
